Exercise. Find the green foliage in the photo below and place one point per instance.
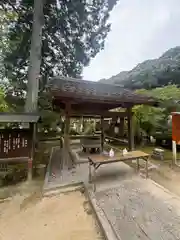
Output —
(150, 119)
(5, 19)
(89, 127)
(73, 33)
(171, 92)
(49, 119)
(3, 104)
(152, 73)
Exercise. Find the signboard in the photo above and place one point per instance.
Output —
(15, 143)
(176, 128)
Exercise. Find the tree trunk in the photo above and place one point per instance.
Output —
(35, 57)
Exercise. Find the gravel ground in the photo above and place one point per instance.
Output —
(65, 217)
(139, 209)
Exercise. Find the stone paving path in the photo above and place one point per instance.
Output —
(137, 209)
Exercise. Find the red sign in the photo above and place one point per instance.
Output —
(176, 128)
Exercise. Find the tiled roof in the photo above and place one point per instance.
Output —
(18, 117)
(88, 90)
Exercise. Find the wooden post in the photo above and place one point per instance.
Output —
(83, 124)
(174, 148)
(130, 129)
(102, 133)
(121, 127)
(33, 129)
(66, 148)
(81, 127)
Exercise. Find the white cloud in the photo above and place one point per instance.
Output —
(141, 29)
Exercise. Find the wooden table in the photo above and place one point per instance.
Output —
(96, 160)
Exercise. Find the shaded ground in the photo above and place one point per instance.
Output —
(137, 208)
(79, 174)
(159, 171)
(66, 216)
(22, 189)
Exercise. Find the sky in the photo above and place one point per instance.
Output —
(140, 30)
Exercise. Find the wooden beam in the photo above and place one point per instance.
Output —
(121, 127)
(66, 148)
(86, 116)
(96, 114)
(30, 160)
(130, 130)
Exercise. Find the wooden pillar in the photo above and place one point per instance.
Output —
(81, 126)
(33, 128)
(130, 129)
(102, 133)
(121, 127)
(66, 148)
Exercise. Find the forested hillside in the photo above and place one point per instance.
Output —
(151, 73)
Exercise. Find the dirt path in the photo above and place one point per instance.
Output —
(66, 217)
